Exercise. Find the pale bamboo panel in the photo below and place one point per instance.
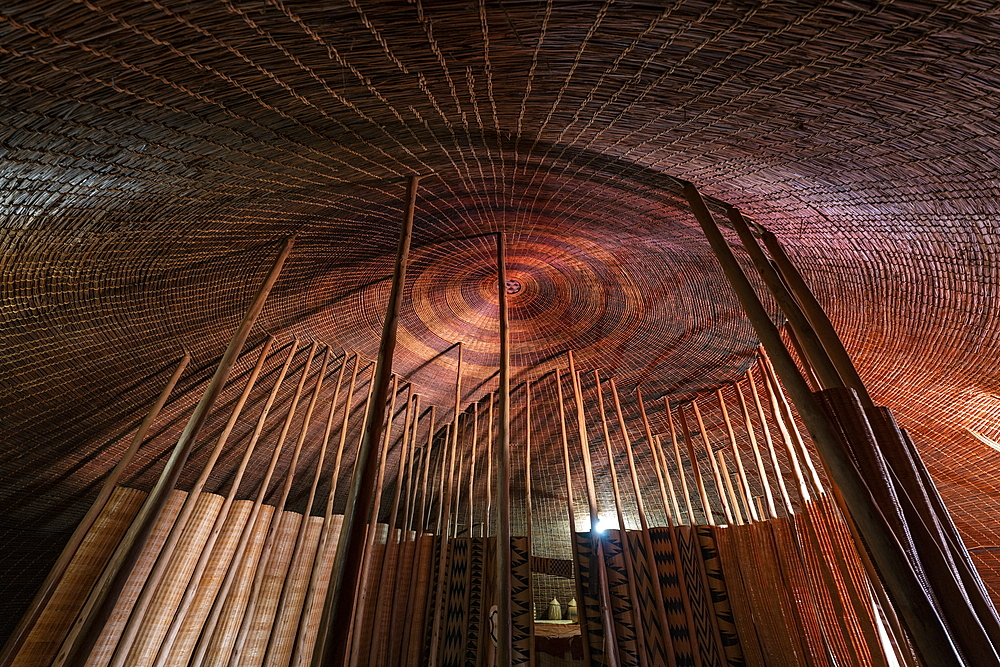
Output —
(105, 645)
(175, 579)
(236, 602)
(315, 606)
(211, 581)
(286, 624)
(50, 629)
(270, 590)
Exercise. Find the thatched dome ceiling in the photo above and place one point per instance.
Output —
(153, 155)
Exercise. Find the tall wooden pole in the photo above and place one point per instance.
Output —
(930, 636)
(332, 650)
(675, 441)
(86, 633)
(503, 573)
(738, 459)
(44, 594)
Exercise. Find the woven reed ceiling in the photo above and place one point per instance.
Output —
(155, 153)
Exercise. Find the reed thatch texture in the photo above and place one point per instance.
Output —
(154, 153)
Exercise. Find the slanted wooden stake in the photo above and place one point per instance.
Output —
(930, 636)
(332, 649)
(86, 631)
(44, 594)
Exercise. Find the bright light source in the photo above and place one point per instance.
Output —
(603, 524)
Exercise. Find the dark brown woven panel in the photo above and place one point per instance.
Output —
(154, 154)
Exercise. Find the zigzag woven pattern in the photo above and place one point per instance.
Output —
(657, 645)
(592, 623)
(522, 602)
(622, 605)
(720, 595)
(674, 597)
(706, 629)
(456, 611)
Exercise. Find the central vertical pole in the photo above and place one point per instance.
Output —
(333, 652)
(503, 629)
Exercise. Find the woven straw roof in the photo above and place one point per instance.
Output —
(154, 154)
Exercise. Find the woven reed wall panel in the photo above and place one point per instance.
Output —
(154, 155)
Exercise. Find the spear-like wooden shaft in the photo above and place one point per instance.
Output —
(332, 649)
(208, 630)
(657, 464)
(737, 458)
(772, 510)
(711, 459)
(571, 513)
(502, 589)
(771, 449)
(85, 633)
(272, 531)
(675, 441)
(695, 469)
(424, 518)
(44, 594)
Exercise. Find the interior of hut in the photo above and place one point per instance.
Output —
(499, 332)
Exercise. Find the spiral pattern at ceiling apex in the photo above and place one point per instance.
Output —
(625, 303)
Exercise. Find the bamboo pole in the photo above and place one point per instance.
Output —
(737, 458)
(504, 631)
(300, 538)
(727, 511)
(640, 639)
(685, 493)
(86, 631)
(786, 438)
(527, 517)
(598, 544)
(425, 506)
(472, 466)
(660, 610)
(367, 609)
(571, 513)
(772, 510)
(361, 612)
(413, 473)
(123, 652)
(17, 638)
(730, 491)
(299, 647)
(272, 534)
(676, 518)
(771, 450)
(657, 464)
(203, 560)
(930, 636)
(445, 513)
(695, 470)
(331, 650)
(248, 528)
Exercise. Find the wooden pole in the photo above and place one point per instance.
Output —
(205, 641)
(488, 510)
(502, 588)
(445, 514)
(571, 513)
(817, 317)
(424, 496)
(657, 464)
(929, 634)
(85, 633)
(44, 594)
(712, 464)
(273, 529)
(727, 481)
(695, 469)
(737, 458)
(661, 610)
(331, 650)
(679, 463)
(771, 450)
(772, 511)
(299, 648)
